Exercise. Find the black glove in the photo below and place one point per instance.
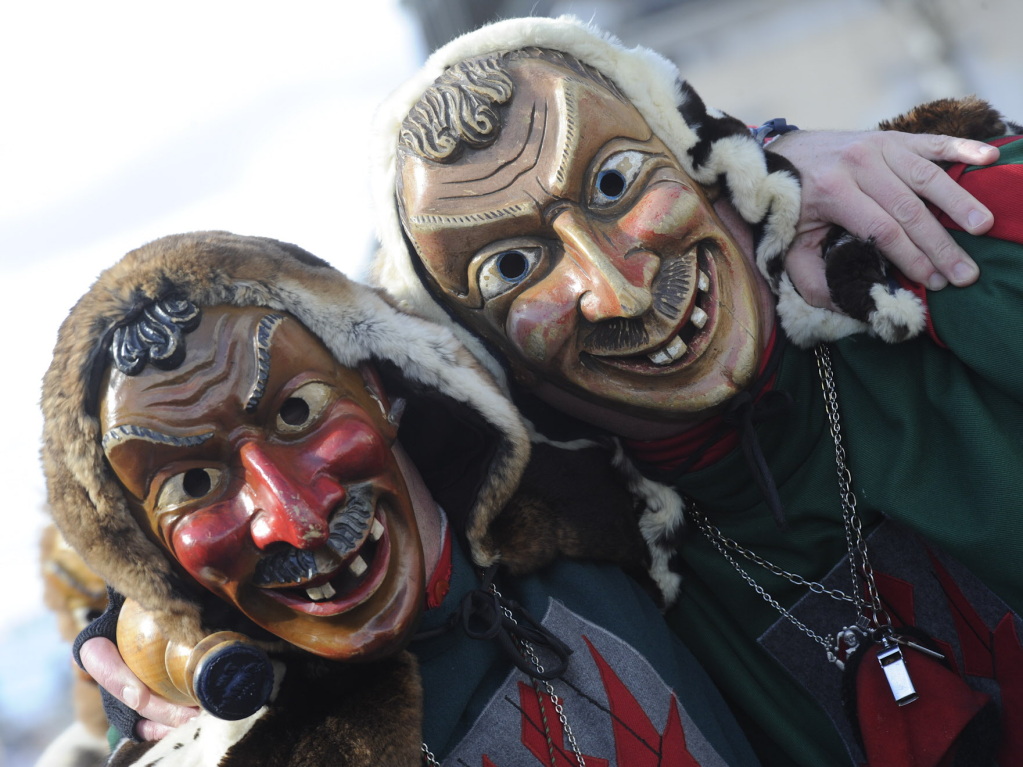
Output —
(120, 717)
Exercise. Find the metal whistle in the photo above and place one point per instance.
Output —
(894, 667)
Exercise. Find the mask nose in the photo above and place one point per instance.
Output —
(607, 292)
(283, 511)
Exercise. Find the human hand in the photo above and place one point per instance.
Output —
(871, 183)
(102, 660)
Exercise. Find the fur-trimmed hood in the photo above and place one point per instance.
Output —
(356, 323)
(712, 147)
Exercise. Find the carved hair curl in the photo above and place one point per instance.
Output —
(460, 109)
(155, 335)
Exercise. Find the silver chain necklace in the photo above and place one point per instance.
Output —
(529, 652)
(873, 622)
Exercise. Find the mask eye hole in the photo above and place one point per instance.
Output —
(615, 178)
(191, 485)
(503, 271)
(303, 408)
(197, 482)
(611, 184)
(294, 411)
(512, 265)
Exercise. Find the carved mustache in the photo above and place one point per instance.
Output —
(622, 336)
(347, 529)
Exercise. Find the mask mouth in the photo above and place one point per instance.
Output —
(343, 572)
(674, 332)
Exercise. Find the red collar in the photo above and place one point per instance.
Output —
(440, 581)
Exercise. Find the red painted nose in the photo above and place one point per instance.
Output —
(284, 510)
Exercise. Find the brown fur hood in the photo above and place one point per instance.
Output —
(356, 323)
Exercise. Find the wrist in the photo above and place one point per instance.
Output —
(771, 130)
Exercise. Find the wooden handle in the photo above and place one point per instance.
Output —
(225, 673)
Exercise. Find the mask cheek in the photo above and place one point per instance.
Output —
(348, 451)
(214, 545)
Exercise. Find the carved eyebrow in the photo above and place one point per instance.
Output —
(264, 336)
(472, 219)
(128, 432)
(571, 123)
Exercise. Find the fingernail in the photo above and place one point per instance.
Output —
(975, 219)
(963, 273)
(130, 696)
(936, 282)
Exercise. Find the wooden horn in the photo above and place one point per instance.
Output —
(225, 673)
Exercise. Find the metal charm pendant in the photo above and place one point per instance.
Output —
(895, 671)
(847, 642)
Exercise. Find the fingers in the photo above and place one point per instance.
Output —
(147, 729)
(102, 660)
(925, 179)
(909, 235)
(952, 149)
(805, 268)
(871, 184)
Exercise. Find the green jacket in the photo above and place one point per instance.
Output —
(934, 436)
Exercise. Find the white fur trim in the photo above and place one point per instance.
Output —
(539, 438)
(807, 325)
(203, 740)
(899, 316)
(659, 524)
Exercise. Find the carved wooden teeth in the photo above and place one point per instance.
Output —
(699, 318)
(324, 561)
(320, 593)
(669, 353)
(377, 530)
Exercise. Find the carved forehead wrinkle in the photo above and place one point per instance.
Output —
(210, 363)
(201, 370)
(544, 150)
(465, 182)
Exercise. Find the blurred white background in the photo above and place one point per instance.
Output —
(124, 121)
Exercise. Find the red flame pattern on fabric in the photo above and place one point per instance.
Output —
(637, 741)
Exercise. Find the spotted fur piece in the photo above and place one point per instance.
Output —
(859, 277)
(764, 188)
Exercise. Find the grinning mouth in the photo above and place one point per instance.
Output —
(676, 331)
(339, 575)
